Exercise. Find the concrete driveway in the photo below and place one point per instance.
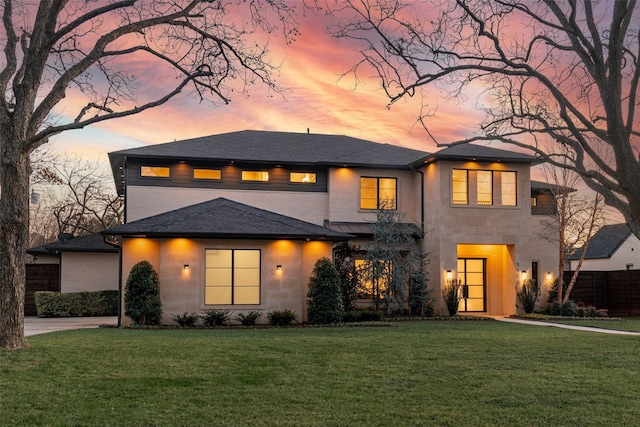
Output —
(39, 325)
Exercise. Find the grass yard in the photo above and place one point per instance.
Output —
(423, 373)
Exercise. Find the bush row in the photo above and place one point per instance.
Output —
(223, 317)
(76, 304)
(276, 318)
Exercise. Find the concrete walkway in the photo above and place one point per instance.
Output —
(565, 326)
(38, 325)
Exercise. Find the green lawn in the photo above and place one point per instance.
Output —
(423, 373)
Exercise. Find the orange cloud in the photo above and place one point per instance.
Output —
(315, 98)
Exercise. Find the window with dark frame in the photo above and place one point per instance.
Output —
(207, 174)
(255, 176)
(232, 276)
(378, 193)
(155, 171)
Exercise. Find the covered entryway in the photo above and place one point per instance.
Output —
(488, 274)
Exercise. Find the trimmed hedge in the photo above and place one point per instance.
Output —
(77, 304)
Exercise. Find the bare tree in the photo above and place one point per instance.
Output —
(86, 46)
(546, 74)
(577, 217)
(74, 196)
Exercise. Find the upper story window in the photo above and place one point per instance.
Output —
(261, 176)
(378, 193)
(485, 187)
(232, 276)
(481, 183)
(460, 187)
(155, 171)
(215, 174)
(509, 188)
(302, 177)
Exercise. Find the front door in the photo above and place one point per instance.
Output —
(472, 273)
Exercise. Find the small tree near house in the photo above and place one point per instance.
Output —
(324, 295)
(142, 295)
(394, 264)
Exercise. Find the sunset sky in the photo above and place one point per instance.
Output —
(315, 99)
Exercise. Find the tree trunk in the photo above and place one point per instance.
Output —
(14, 232)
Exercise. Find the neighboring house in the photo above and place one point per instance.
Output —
(236, 221)
(71, 264)
(614, 247)
(86, 263)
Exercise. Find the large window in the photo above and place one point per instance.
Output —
(374, 278)
(509, 189)
(460, 186)
(378, 193)
(155, 171)
(485, 187)
(232, 276)
(481, 183)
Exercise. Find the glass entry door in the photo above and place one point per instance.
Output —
(471, 271)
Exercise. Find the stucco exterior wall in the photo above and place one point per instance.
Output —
(183, 291)
(344, 191)
(88, 271)
(447, 226)
(545, 253)
(142, 202)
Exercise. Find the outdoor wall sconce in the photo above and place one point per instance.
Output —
(449, 274)
(549, 276)
(279, 268)
(186, 267)
(523, 275)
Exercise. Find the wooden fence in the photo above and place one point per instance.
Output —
(617, 291)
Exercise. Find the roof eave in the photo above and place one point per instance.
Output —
(236, 236)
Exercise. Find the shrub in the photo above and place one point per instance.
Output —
(324, 298)
(282, 317)
(248, 319)
(528, 294)
(363, 316)
(552, 297)
(572, 309)
(452, 295)
(72, 304)
(215, 317)
(142, 295)
(186, 319)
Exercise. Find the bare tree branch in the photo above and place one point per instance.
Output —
(554, 76)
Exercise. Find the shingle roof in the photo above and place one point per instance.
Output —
(285, 147)
(223, 218)
(605, 242)
(475, 152)
(91, 243)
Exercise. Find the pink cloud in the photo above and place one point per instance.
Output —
(316, 98)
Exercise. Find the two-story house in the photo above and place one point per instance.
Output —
(236, 221)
